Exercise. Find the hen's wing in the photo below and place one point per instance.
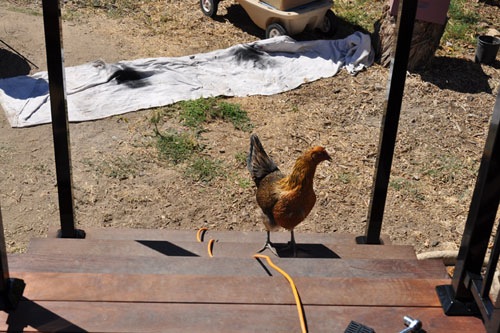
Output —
(258, 163)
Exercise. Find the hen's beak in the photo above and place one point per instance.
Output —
(328, 157)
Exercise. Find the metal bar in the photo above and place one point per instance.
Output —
(492, 266)
(390, 120)
(55, 66)
(493, 324)
(485, 304)
(11, 290)
(482, 211)
(4, 267)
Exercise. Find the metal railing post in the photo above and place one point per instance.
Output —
(406, 18)
(55, 67)
(469, 292)
(11, 289)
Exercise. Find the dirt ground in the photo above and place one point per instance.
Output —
(444, 122)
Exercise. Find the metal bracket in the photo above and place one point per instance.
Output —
(364, 240)
(454, 307)
(79, 234)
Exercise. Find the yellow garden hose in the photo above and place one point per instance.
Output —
(298, 302)
(210, 248)
(300, 310)
(200, 234)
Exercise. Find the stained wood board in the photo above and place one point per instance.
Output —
(236, 289)
(226, 236)
(114, 317)
(379, 268)
(94, 247)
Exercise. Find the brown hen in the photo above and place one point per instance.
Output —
(285, 200)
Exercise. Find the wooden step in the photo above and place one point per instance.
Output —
(138, 303)
(223, 236)
(380, 268)
(104, 317)
(92, 287)
(157, 248)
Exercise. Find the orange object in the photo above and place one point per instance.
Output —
(211, 248)
(295, 292)
(200, 233)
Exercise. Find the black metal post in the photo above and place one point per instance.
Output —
(406, 18)
(55, 67)
(467, 295)
(11, 290)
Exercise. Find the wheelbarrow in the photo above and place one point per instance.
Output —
(283, 17)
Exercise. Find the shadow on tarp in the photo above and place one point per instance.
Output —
(12, 64)
(24, 87)
(31, 314)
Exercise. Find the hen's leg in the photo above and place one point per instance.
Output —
(292, 243)
(269, 245)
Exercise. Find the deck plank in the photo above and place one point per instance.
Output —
(379, 268)
(226, 236)
(160, 317)
(236, 289)
(153, 248)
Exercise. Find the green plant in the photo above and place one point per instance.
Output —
(245, 182)
(462, 24)
(241, 158)
(195, 112)
(445, 168)
(345, 177)
(176, 147)
(234, 114)
(360, 13)
(204, 169)
(406, 186)
(398, 183)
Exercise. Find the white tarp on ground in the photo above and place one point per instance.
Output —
(98, 90)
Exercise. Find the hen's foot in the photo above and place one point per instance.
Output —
(269, 246)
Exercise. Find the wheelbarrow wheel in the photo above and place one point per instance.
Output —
(328, 27)
(274, 30)
(209, 7)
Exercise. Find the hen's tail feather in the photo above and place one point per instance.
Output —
(258, 163)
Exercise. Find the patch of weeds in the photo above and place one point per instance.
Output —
(361, 13)
(196, 112)
(119, 167)
(28, 11)
(205, 169)
(241, 158)
(233, 114)
(397, 183)
(445, 169)
(462, 24)
(176, 147)
(245, 182)
(41, 168)
(114, 8)
(345, 177)
(407, 187)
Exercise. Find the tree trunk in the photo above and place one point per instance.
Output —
(425, 40)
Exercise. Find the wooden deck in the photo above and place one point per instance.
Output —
(164, 281)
